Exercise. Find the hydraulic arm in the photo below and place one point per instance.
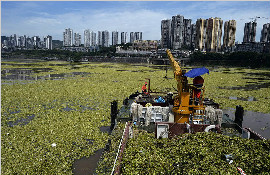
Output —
(181, 101)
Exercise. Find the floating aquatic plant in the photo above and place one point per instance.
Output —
(27, 148)
(200, 153)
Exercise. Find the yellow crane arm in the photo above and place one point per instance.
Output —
(176, 68)
(177, 72)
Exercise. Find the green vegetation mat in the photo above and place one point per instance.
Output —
(106, 162)
(200, 153)
(47, 124)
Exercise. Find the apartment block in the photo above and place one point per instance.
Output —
(114, 38)
(180, 32)
(99, 40)
(48, 42)
(87, 38)
(200, 41)
(123, 37)
(166, 33)
(77, 39)
(249, 32)
(103, 38)
(131, 37)
(68, 37)
(29, 42)
(193, 36)
(36, 42)
(229, 33)
(265, 33)
(93, 38)
(187, 33)
(214, 34)
(177, 31)
(208, 34)
(138, 36)
(22, 41)
(13, 40)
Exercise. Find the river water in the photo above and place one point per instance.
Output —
(257, 121)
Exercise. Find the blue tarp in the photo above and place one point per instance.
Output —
(196, 72)
(160, 100)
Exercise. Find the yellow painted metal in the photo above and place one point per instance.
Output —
(183, 118)
(185, 98)
(182, 109)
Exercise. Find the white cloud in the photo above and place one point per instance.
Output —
(42, 21)
(131, 16)
(145, 21)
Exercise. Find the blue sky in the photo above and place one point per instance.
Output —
(51, 17)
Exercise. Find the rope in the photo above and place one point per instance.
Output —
(119, 149)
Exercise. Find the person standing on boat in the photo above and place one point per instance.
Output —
(198, 83)
(144, 88)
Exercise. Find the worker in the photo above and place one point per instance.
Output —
(144, 88)
(198, 83)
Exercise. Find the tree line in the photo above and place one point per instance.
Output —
(242, 59)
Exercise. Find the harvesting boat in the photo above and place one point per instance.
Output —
(186, 111)
(169, 114)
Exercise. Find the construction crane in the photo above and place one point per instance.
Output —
(257, 17)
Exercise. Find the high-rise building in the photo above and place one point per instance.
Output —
(36, 41)
(166, 33)
(249, 32)
(265, 33)
(99, 38)
(214, 34)
(77, 39)
(123, 37)
(177, 31)
(187, 33)
(93, 39)
(14, 40)
(229, 33)
(29, 42)
(87, 38)
(193, 36)
(114, 38)
(68, 37)
(22, 41)
(200, 34)
(208, 34)
(138, 36)
(48, 42)
(103, 38)
(131, 37)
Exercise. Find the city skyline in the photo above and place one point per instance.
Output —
(39, 18)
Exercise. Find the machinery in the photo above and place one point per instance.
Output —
(185, 105)
(175, 113)
(184, 111)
